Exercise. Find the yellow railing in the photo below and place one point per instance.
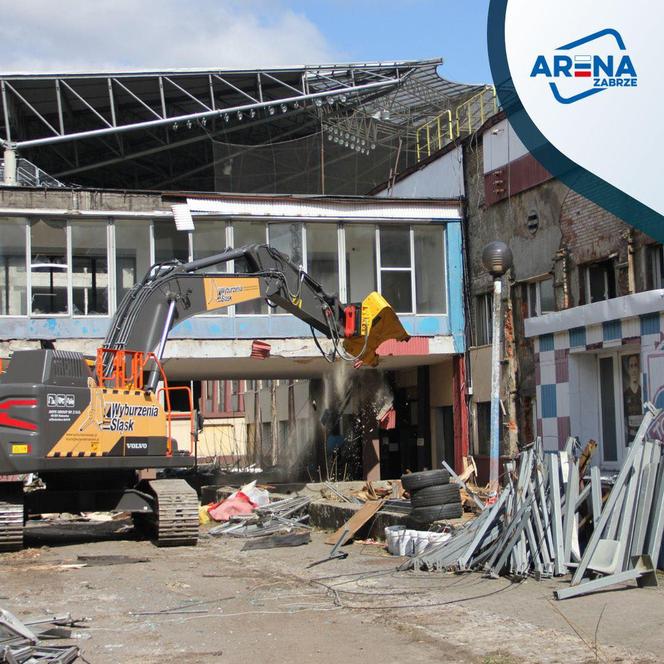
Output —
(468, 117)
(444, 133)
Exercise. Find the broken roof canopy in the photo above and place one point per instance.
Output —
(159, 129)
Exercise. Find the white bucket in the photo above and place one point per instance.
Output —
(398, 540)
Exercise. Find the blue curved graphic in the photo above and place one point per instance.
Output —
(571, 100)
(559, 165)
(593, 37)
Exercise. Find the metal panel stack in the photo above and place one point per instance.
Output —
(549, 521)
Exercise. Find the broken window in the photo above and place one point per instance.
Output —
(599, 282)
(169, 242)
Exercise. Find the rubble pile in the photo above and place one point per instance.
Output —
(552, 518)
(23, 642)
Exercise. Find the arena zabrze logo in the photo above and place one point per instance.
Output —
(580, 65)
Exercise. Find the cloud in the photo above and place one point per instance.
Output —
(91, 35)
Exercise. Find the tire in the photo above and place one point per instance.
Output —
(431, 496)
(426, 515)
(415, 481)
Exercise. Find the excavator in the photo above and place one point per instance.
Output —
(96, 434)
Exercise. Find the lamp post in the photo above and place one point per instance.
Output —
(497, 259)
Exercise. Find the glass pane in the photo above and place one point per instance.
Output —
(547, 299)
(287, 238)
(132, 254)
(49, 267)
(608, 405)
(394, 246)
(248, 232)
(13, 282)
(395, 287)
(632, 399)
(360, 261)
(209, 239)
(322, 255)
(430, 284)
(169, 242)
(89, 268)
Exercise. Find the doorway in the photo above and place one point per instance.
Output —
(621, 404)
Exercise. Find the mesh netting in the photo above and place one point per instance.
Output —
(295, 166)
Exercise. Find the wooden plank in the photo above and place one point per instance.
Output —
(356, 521)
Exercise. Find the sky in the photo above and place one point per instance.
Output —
(42, 36)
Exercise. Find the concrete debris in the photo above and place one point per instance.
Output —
(552, 519)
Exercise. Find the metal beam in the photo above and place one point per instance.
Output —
(160, 122)
(33, 109)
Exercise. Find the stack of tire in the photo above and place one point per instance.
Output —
(432, 497)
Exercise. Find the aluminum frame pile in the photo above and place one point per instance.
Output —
(535, 528)
(627, 536)
(19, 644)
(276, 517)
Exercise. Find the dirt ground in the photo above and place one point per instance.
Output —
(266, 606)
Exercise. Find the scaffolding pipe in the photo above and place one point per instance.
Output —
(9, 171)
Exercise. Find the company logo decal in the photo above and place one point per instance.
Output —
(60, 401)
(119, 416)
(584, 68)
(225, 293)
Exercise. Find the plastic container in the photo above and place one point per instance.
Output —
(439, 538)
(398, 540)
(420, 541)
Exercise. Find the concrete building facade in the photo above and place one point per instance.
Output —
(69, 255)
(581, 305)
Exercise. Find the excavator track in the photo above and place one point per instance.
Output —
(11, 516)
(175, 521)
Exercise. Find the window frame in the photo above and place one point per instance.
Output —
(228, 411)
(655, 267)
(537, 285)
(111, 257)
(485, 300)
(608, 266)
(110, 271)
(410, 270)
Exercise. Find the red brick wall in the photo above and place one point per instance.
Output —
(590, 233)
